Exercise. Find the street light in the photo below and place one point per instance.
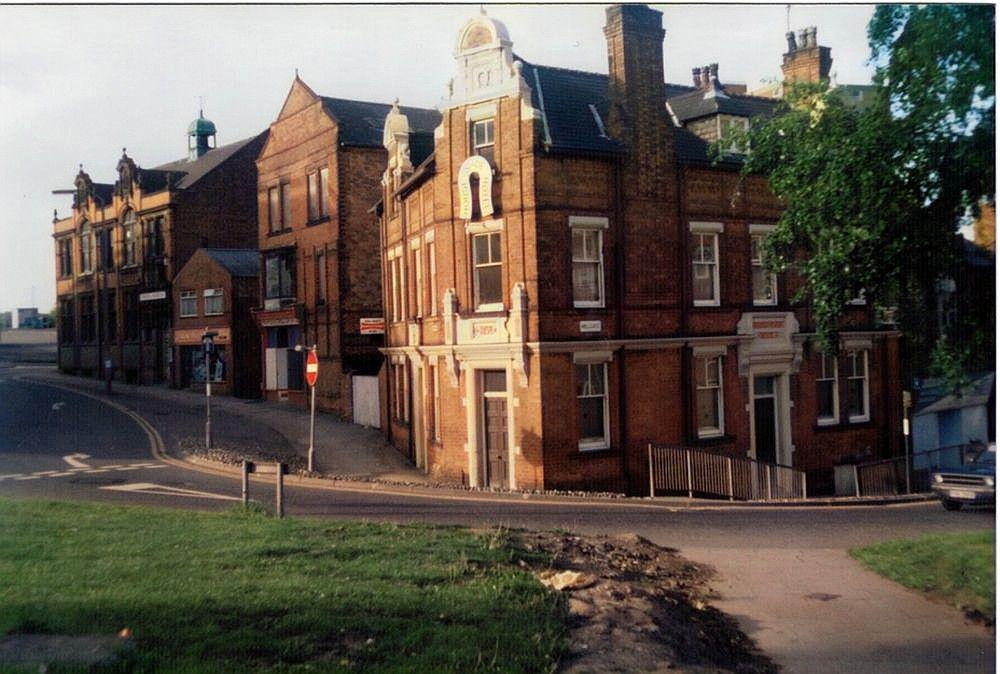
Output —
(312, 372)
(209, 345)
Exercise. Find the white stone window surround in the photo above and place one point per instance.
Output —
(825, 375)
(711, 353)
(714, 229)
(473, 229)
(758, 230)
(596, 358)
(598, 224)
(417, 257)
(395, 259)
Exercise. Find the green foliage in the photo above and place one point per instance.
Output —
(238, 591)
(873, 194)
(949, 363)
(958, 568)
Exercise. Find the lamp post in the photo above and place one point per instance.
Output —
(312, 373)
(209, 345)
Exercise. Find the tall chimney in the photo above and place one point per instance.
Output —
(805, 61)
(696, 76)
(638, 116)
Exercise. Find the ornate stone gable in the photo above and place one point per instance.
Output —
(485, 64)
(127, 176)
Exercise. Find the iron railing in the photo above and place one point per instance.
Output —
(679, 469)
(910, 474)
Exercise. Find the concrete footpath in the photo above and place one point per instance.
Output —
(818, 610)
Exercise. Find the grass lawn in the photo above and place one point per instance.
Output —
(242, 591)
(958, 568)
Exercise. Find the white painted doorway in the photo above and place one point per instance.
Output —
(364, 400)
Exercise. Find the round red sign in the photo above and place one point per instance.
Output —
(312, 368)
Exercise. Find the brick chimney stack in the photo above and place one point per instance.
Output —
(638, 115)
(805, 61)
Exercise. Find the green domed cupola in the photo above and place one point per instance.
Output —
(199, 132)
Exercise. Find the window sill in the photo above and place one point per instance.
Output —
(318, 221)
(831, 421)
(588, 305)
(187, 316)
(490, 308)
(279, 232)
(710, 435)
(859, 419)
(595, 453)
(588, 446)
(221, 313)
(706, 303)
(760, 303)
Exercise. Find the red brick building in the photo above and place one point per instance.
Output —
(568, 278)
(117, 254)
(318, 176)
(217, 290)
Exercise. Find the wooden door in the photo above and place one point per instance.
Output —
(495, 429)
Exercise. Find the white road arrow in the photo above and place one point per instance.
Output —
(57, 406)
(163, 490)
(75, 460)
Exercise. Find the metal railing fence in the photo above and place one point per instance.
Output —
(910, 474)
(679, 469)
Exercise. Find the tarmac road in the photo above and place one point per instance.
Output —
(784, 572)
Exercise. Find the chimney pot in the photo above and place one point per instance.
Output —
(803, 40)
(811, 36)
(696, 76)
(706, 78)
(714, 72)
(790, 37)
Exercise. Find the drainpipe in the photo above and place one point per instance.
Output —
(619, 210)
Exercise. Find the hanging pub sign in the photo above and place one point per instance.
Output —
(478, 166)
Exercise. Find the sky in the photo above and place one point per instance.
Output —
(79, 83)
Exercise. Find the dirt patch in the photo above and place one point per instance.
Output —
(637, 607)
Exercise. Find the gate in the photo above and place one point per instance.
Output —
(364, 401)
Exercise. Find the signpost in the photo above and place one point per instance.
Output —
(206, 340)
(312, 374)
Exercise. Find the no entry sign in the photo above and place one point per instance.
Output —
(312, 368)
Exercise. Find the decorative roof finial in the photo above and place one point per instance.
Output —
(296, 73)
(482, 9)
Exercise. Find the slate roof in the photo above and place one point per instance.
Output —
(361, 122)
(693, 104)
(238, 262)
(421, 146)
(565, 97)
(185, 173)
(103, 192)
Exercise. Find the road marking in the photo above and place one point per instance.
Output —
(81, 471)
(57, 406)
(75, 460)
(163, 490)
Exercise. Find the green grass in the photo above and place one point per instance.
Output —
(958, 568)
(241, 591)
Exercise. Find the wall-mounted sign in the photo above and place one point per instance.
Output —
(278, 322)
(193, 336)
(590, 326)
(478, 166)
(373, 326)
(152, 296)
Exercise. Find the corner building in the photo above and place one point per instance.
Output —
(568, 278)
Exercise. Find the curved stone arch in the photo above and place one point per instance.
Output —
(479, 167)
(481, 32)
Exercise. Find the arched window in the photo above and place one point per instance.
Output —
(130, 234)
(86, 248)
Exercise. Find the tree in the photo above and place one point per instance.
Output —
(874, 194)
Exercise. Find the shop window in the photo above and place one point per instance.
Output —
(131, 300)
(708, 386)
(67, 321)
(88, 327)
(592, 405)
(109, 310)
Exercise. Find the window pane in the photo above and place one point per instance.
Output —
(708, 408)
(481, 249)
(763, 386)
(855, 397)
(286, 205)
(274, 209)
(762, 287)
(313, 189)
(324, 185)
(824, 395)
(591, 418)
(494, 381)
(579, 244)
(488, 285)
(585, 282)
(272, 279)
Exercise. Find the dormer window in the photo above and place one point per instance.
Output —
(729, 128)
(482, 139)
